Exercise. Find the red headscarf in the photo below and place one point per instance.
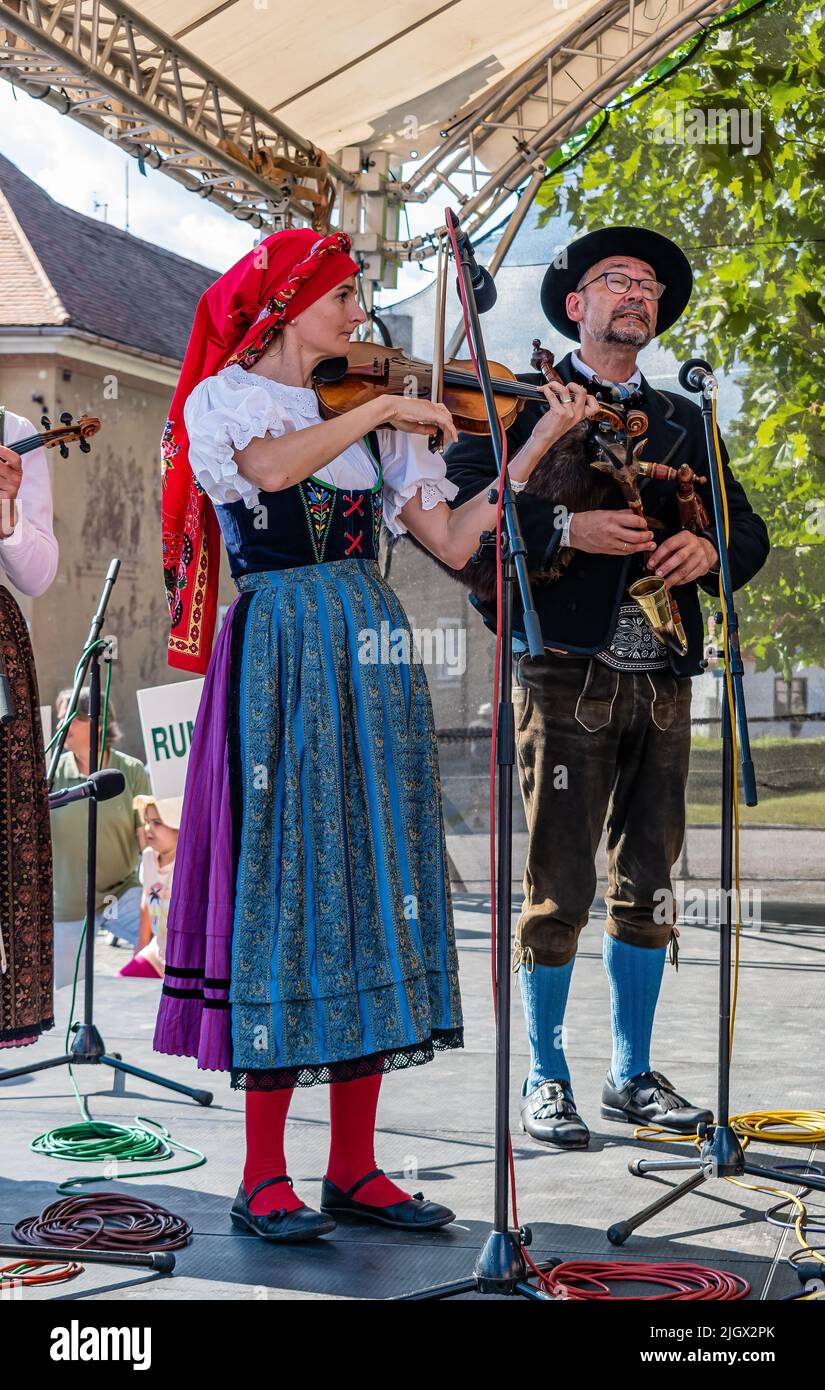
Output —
(235, 320)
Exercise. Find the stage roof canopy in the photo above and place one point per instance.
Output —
(349, 72)
(283, 113)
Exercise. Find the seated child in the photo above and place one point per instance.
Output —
(161, 823)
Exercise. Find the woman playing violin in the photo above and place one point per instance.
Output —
(310, 936)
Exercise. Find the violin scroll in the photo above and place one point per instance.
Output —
(68, 432)
(632, 422)
(541, 360)
(60, 436)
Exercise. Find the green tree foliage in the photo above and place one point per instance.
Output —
(751, 223)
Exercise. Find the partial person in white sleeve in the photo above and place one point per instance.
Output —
(28, 560)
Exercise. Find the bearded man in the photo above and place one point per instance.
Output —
(603, 716)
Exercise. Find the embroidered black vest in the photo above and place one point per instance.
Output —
(310, 523)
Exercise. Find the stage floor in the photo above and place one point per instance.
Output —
(435, 1133)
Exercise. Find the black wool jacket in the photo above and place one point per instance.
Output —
(579, 611)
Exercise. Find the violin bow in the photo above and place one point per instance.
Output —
(436, 441)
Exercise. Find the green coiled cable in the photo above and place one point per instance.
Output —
(99, 1141)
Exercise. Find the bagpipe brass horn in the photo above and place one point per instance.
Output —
(660, 611)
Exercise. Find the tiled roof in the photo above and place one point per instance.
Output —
(97, 277)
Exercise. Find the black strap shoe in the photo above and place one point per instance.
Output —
(285, 1226)
(650, 1099)
(549, 1115)
(416, 1214)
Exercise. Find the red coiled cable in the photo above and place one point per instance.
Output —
(105, 1221)
(591, 1279)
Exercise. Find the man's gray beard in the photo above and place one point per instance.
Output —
(636, 337)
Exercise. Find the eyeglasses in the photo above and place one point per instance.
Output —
(620, 283)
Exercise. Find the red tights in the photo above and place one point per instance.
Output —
(353, 1106)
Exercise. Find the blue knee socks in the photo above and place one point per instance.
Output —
(635, 975)
(544, 993)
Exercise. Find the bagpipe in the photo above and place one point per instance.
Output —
(616, 448)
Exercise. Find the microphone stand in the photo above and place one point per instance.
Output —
(721, 1154)
(88, 1048)
(500, 1267)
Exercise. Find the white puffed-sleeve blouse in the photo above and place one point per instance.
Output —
(226, 411)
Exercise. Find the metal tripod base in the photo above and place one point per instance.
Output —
(721, 1156)
(500, 1269)
(88, 1049)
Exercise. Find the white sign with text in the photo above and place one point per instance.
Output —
(167, 718)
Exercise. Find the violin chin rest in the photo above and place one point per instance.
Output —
(331, 369)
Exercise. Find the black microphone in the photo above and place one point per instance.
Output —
(101, 785)
(695, 375)
(484, 288)
(482, 282)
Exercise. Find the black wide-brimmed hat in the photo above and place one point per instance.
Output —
(669, 263)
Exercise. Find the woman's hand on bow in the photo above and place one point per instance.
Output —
(416, 415)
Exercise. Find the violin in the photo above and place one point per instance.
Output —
(370, 370)
(61, 436)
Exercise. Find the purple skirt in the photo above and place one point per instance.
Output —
(194, 1018)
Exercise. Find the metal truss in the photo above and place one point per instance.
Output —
(496, 145)
(101, 63)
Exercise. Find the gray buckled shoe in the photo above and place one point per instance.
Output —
(549, 1115)
(650, 1099)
